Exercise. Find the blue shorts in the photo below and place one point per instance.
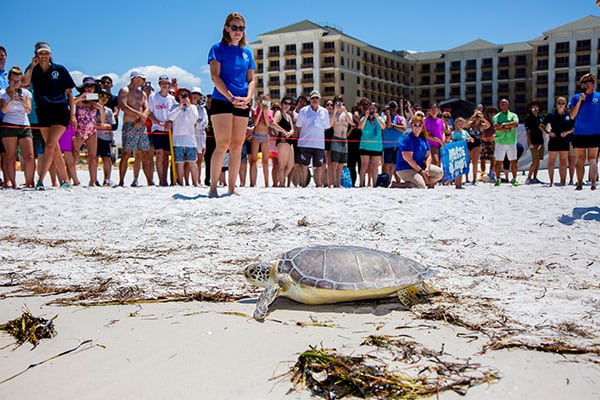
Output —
(390, 155)
(185, 154)
(104, 148)
(134, 138)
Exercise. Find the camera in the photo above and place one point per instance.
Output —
(371, 113)
(91, 96)
(184, 95)
(19, 91)
(337, 103)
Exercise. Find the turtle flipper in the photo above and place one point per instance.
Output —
(264, 301)
(416, 294)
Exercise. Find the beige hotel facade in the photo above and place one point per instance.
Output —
(298, 58)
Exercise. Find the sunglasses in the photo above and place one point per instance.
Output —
(561, 103)
(287, 103)
(106, 82)
(446, 117)
(586, 81)
(328, 105)
(416, 125)
(236, 28)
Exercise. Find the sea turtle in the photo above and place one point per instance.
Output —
(326, 274)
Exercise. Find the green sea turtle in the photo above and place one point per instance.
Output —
(332, 274)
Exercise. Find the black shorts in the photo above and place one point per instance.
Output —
(53, 114)
(370, 153)
(104, 148)
(558, 144)
(160, 141)
(225, 107)
(328, 138)
(585, 141)
(308, 153)
(390, 155)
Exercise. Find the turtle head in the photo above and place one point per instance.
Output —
(258, 273)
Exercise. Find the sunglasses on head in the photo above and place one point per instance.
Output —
(236, 28)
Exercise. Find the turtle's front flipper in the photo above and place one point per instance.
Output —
(416, 294)
(264, 301)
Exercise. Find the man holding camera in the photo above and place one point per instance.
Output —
(312, 121)
(134, 103)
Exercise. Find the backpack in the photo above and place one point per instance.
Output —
(346, 179)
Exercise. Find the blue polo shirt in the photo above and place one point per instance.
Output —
(49, 87)
(587, 121)
(235, 62)
(417, 145)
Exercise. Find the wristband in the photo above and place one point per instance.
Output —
(232, 99)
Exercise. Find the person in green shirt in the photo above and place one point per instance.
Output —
(505, 123)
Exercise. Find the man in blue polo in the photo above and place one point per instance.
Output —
(312, 121)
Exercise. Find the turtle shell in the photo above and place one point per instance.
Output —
(350, 268)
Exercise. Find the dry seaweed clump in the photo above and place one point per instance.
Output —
(28, 328)
(332, 375)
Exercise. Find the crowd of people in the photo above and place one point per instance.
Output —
(173, 131)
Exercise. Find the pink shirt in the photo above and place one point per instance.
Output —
(435, 127)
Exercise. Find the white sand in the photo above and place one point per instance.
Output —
(521, 262)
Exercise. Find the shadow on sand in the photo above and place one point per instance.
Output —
(584, 213)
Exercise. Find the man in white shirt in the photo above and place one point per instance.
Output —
(312, 121)
(160, 103)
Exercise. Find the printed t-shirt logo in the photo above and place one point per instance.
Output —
(55, 74)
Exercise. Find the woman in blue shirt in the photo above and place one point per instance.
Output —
(232, 71)
(414, 162)
(585, 110)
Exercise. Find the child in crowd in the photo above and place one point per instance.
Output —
(184, 116)
(460, 134)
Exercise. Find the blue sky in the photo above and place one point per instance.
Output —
(173, 36)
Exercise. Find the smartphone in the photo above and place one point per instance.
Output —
(91, 96)
(19, 91)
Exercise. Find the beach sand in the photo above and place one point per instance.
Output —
(518, 265)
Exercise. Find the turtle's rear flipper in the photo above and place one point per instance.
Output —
(416, 294)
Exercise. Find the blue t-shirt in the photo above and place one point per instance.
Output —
(235, 62)
(392, 136)
(417, 145)
(49, 87)
(587, 121)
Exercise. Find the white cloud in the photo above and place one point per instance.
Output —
(152, 72)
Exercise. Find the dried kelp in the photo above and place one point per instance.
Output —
(28, 328)
(332, 375)
(551, 347)
(216, 297)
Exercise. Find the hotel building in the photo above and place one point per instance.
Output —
(298, 58)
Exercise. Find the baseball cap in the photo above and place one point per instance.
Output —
(196, 89)
(135, 73)
(163, 78)
(315, 94)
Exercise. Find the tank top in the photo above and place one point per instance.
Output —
(285, 124)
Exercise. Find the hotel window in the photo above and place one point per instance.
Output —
(471, 64)
(290, 62)
(542, 79)
(561, 90)
(440, 67)
(562, 47)
(259, 68)
(520, 86)
(486, 88)
(342, 46)
(583, 59)
(425, 68)
(307, 47)
(487, 63)
(520, 72)
(425, 93)
(273, 50)
(542, 50)
(542, 64)
(259, 53)
(541, 92)
(455, 78)
(503, 61)
(329, 45)
(584, 45)
(521, 60)
(329, 60)
(503, 87)
(455, 66)
(562, 62)
(440, 79)
(470, 89)
(471, 76)
(486, 75)
(425, 80)
(561, 77)
(503, 74)
(440, 92)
